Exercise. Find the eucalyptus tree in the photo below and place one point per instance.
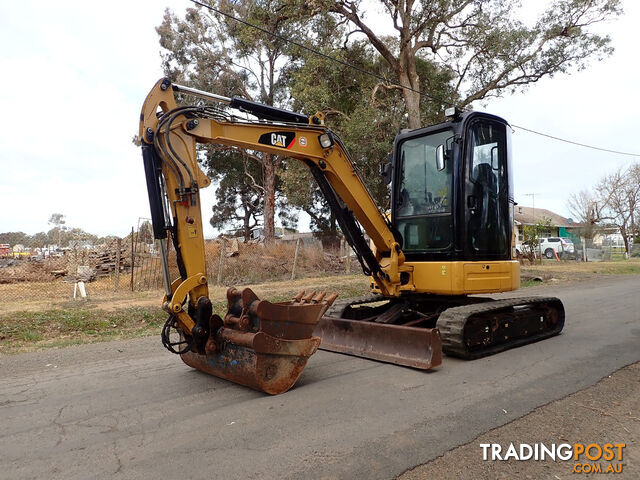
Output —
(485, 45)
(215, 53)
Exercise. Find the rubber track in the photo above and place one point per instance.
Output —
(452, 321)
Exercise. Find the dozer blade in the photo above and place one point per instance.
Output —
(409, 346)
(259, 344)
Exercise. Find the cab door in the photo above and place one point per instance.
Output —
(487, 212)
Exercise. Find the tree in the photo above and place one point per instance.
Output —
(239, 195)
(317, 84)
(58, 220)
(365, 113)
(531, 235)
(14, 238)
(39, 240)
(230, 58)
(481, 42)
(145, 232)
(634, 201)
(586, 208)
(619, 194)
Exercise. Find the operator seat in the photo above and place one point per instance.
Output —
(484, 224)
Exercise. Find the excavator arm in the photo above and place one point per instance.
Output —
(170, 133)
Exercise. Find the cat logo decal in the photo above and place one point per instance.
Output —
(278, 139)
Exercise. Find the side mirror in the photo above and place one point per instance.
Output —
(440, 158)
(494, 158)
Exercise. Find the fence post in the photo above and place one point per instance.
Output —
(132, 259)
(348, 261)
(221, 264)
(116, 272)
(295, 260)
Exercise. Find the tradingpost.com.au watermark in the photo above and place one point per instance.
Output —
(583, 457)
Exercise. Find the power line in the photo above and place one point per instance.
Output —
(382, 78)
(577, 143)
(319, 53)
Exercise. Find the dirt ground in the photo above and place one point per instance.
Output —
(608, 412)
(570, 269)
(60, 321)
(42, 296)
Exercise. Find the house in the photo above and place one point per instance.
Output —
(609, 236)
(560, 226)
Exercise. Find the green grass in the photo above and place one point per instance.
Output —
(27, 335)
(70, 323)
(621, 269)
(529, 283)
(76, 325)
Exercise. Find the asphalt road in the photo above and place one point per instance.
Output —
(129, 409)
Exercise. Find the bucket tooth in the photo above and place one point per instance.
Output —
(262, 345)
(307, 298)
(318, 298)
(331, 298)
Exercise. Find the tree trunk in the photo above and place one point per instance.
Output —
(245, 226)
(625, 239)
(412, 99)
(269, 182)
(331, 240)
(409, 78)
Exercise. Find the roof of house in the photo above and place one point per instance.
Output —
(529, 216)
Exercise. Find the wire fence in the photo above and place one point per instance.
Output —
(608, 249)
(130, 267)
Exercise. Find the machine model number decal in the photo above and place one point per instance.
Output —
(278, 139)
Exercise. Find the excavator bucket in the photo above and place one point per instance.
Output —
(259, 344)
(409, 346)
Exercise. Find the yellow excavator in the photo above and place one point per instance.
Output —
(449, 237)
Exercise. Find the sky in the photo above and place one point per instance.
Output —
(75, 74)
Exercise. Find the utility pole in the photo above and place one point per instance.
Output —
(533, 204)
(535, 227)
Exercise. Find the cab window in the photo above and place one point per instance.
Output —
(424, 198)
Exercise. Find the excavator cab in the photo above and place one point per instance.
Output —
(452, 190)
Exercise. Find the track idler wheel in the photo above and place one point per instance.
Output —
(260, 344)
